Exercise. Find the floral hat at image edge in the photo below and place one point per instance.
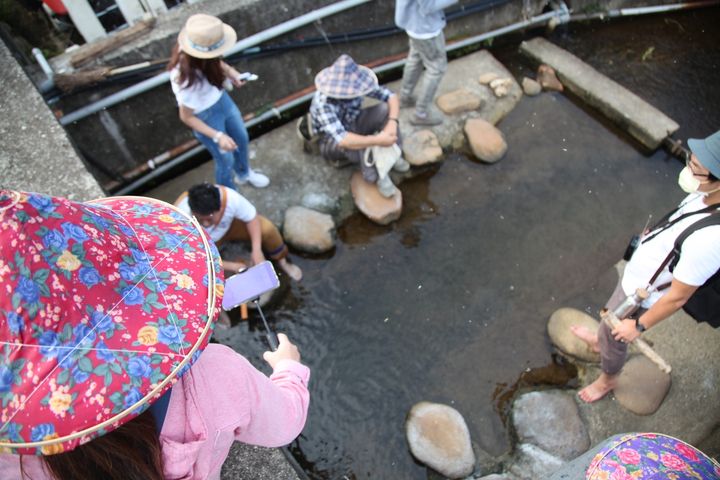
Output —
(103, 306)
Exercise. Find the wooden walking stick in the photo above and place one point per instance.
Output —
(625, 309)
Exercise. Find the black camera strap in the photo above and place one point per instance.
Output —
(666, 223)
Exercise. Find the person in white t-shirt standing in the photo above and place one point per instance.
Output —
(698, 261)
(227, 216)
(423, 21)
(197, 76)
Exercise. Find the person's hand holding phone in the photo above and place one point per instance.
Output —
(285, 351)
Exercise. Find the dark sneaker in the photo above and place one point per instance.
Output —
(429, 119)
(407, 102)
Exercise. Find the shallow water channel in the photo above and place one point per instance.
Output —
(450, 303)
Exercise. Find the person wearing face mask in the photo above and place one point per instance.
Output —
(671, 283)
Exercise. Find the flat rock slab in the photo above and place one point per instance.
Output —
(641, 386)
(421, 148)
(439, 438)
(559, 330)
(458, 101)
(550, 420)
(309, 230)
(640, 119)
(374, 206)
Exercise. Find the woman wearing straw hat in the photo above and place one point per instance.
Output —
(197, 76)
(106, 308)
(346, 129)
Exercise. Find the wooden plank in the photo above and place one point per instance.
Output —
(156, 7)
(633, 114)
(85, 20)
(111, 42)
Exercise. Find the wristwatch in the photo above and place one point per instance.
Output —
(639, 326)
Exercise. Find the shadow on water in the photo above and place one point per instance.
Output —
(450, 303)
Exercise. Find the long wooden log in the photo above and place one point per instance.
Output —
(99, 47)
(611, 319)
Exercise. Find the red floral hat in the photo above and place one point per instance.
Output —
(102, 306)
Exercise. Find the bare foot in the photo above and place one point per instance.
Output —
(587, 336)
(598, 389)
(292, 271)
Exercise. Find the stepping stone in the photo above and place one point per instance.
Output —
(641, 387)
(422, 147)
(559, 330)
(458, 101)
(486, 141)
(368, 200)
(531, 87)
(486, 78)
(550, 419)
(547, 78)
(438, 437)
(309, 230)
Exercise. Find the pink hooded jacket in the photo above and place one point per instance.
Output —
(222, 398)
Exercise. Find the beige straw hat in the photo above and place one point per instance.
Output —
(205, 36)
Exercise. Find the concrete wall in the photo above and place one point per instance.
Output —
(36, 153)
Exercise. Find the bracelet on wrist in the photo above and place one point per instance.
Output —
(394, 120)
(217, 136)
(639, 326)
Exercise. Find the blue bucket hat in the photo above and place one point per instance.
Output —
(345, 79)
(707, 152)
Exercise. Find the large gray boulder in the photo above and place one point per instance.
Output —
(533, 463)
(439, 438)
(309, 230)
(550, 420)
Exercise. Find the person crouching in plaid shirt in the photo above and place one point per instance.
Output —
(346, 129)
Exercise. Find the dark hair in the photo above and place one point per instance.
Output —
(712, 177)
(130, 452)
(204, 198)
(189, 67)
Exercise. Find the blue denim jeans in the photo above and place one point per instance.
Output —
(225, 117)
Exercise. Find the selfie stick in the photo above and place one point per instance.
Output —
(269, 335)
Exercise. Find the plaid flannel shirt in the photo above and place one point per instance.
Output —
(332, 116)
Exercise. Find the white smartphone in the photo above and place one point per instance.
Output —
(247, 77)
(249, 285)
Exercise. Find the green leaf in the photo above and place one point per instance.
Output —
(16, 300)
(78, 250)
(101, 369)
(63, 378)
(108, 379)
(41, 275)
(115, 367)
(85, 365)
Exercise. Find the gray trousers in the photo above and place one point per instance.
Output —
(612, 352)
(430, 54)
(370, 121)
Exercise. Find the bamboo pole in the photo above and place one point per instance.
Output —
(612, 320)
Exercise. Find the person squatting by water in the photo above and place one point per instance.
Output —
(229, 217)
(197, 76)
(423, 21)
(107, 370)
(346, 129)
(699, 260)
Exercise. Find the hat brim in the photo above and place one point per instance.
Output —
(325, 83)
(229, 39)
(146, 345)
(704, 155)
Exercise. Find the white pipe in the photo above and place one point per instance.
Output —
(245, 43)
(625, 12)
(42, 61)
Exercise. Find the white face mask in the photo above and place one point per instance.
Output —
(688, 182)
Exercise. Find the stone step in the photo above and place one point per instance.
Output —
(644, 122)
